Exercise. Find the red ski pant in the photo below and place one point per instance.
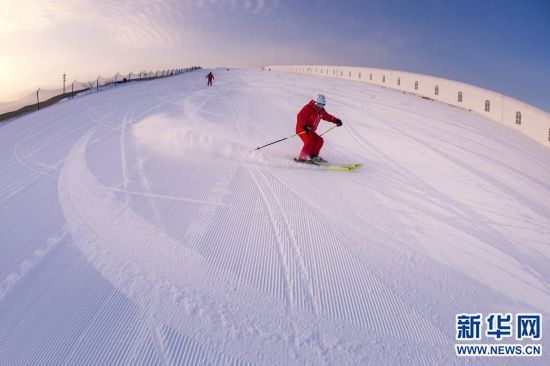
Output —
(209, 81)
(312, 145)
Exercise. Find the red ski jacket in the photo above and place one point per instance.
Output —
(210, 76)
(311, 116)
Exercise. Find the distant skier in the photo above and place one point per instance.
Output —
(210, 77)
(307, 121)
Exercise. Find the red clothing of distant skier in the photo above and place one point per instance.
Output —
(311, 116)
(210, 77)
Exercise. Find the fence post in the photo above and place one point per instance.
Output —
(37, 99)
(72, 90)
(97, 84)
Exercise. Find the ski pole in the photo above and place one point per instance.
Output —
(296, 134)
(286, 138)
(328, 130)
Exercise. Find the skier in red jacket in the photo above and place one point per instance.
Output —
(307, 121)
(210, 77)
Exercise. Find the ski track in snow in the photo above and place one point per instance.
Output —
(140, 227)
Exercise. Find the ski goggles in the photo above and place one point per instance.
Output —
(319, 105)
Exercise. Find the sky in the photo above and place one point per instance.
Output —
(500, 45)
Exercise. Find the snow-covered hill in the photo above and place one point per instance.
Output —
(138, 225)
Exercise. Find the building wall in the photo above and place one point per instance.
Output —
(534, 122)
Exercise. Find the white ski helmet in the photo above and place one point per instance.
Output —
(320, 100)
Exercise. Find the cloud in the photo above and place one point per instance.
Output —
(245, 6)
(140, 23)
(260, 5)
(28, 15)
(131, 23)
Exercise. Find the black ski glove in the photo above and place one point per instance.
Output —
(338, 122)
(306, 128)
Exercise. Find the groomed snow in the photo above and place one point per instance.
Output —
(138, 225)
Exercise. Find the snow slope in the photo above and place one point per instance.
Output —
(138, 225)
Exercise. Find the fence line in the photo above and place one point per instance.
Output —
(43, 98)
